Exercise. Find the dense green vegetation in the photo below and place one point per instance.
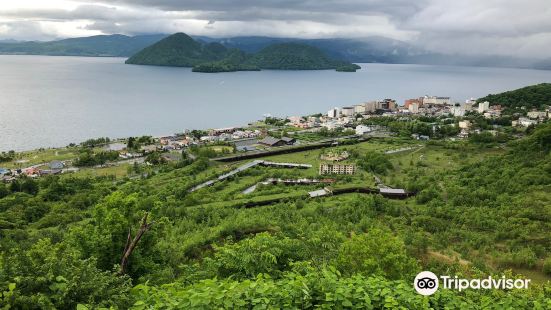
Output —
(90, 158)
(7, 156)
(483, 209)
(534, 96)
(235, 60)
(348, 68)
(178, 50)
(294, 56)
(181, 50)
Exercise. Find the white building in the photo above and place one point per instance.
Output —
(362, 129)
(483, 107)
(464, 124)
(347, 111)
(359, 109)
(337, 169)
(469, 103)
(333, 113)
(435, 100)
(295, 119)
(370, 106)
(537, 114)
(458, 110)
(524, 122)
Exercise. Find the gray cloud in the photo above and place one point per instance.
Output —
(501, 27)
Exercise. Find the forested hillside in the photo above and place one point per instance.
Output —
(293, 56)
(178, 50)
(481, 209)
(534, 96)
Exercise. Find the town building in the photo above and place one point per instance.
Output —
(524, 122)
(469, 103)
(271, 141)
(409, 102)
(458, 110)
(362, 129)
(326, 168)
(333, 113)
(218, 131)
(347, 111)
(537, 114)
(387, 104)
(56, 164)
(360, 109)
(413, 107)
(465, 124)
(435, 100)
(483, 107)
(370, 106)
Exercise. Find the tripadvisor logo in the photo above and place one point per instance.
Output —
(427, 283)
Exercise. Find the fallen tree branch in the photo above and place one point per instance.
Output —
(131, 243)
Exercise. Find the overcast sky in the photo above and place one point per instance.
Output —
(520, 28)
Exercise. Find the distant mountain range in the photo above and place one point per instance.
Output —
(368, 50)
(104, 45)
(180, 50)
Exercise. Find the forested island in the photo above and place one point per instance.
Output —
(180, 50)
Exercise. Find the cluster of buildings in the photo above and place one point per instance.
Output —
(386, 105)
(230, 134)
(532, 118)
(53, 168)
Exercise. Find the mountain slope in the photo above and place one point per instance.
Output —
(293, 56)
(102, 45)
(178, 50)
(534, 96)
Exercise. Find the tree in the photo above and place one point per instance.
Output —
(131, 243)
(375, 162)
(376, 252)
(547, 266)
(3, 191)
(131, 143)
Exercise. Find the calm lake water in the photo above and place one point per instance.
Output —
(53, 101)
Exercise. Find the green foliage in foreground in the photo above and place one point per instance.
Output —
(325, 289)
(61, 237)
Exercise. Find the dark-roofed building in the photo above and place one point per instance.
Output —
(289, 141)
(393, 192)
(245, 148)
(56, 164)
(271, 141)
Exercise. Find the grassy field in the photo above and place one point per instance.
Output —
(29, 158)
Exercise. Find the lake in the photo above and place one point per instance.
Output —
(52, 101)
